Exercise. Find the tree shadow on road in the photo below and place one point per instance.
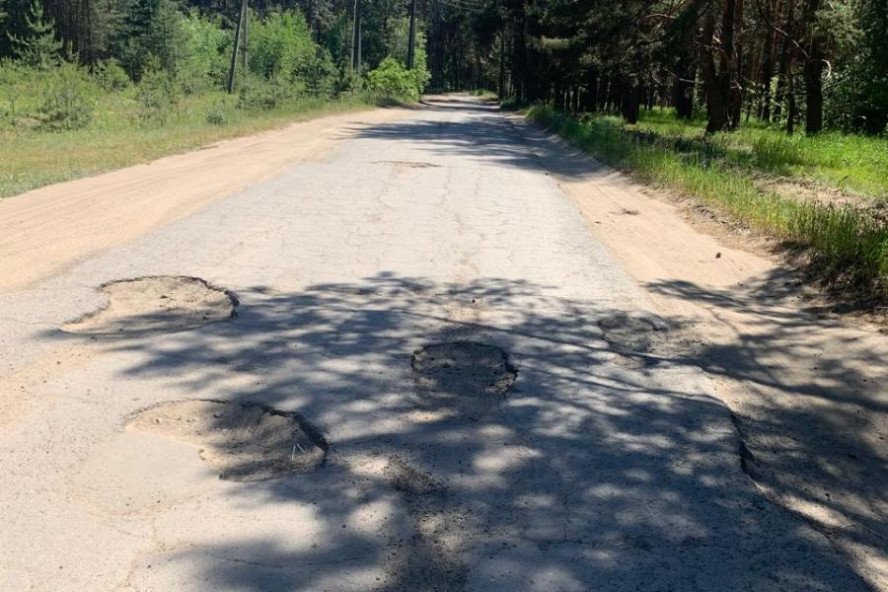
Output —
(809, 396)
(594, 473)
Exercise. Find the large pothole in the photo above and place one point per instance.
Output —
(158, 304)
(464, 375)
(465, 368)
(634, 334)
(242, 441)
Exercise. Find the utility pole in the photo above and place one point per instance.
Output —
(356, 39)
(246, 35)
(241, 29)
(411, 38)
(351, 61)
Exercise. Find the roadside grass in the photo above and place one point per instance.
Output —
(848, 243)
(120, 135)
(853, 164)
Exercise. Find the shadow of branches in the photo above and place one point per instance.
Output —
(593, 474)
(809, 395)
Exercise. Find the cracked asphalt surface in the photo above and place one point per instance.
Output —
(598, 471)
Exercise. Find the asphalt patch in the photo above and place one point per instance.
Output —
(242, 441)
(156, 304)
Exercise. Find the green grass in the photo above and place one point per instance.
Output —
(848, 243)
(853, 164)
(118, 137)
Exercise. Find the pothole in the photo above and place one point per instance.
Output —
(242, 441)
(464, 369)
(632, 333)
(158, 304)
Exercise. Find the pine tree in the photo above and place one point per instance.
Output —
(873, 66)
(152, 33)
(38, 47)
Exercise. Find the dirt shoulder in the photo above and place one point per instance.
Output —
(807, 390)
(42, 232)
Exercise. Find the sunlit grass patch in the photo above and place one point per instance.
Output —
(117, 137)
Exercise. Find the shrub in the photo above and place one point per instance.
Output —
(158, 96)
(258, 93)
(111, 76)
(391, 80)
(347, 81)
(207, 48)
(16, 86)
(319, 75)
(281, 46)
(68, 100)
(219, 113)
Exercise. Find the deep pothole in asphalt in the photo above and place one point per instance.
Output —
(632, 334)
(241, 441)
(156, 304)
(464, 369)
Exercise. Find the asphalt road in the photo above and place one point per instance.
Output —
(606, 467)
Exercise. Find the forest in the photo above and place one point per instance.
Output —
(773, 111)
(91, 85)
(813, 64)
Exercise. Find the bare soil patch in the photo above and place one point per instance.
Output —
(160, 304)
(242, 441)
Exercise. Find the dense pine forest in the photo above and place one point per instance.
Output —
(799, 63)
(808, 63)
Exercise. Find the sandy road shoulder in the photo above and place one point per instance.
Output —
(42, 232)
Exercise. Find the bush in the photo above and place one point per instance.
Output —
(17, 85)
(258, 93)
(111, 76)
(347, 82)
(219, 113)
(207, 49)
(319, 75)
(281, 46)
(158, 96)
(391, 80)
(68, 100)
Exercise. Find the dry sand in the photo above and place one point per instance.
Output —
(49, 229)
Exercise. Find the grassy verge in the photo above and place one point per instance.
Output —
(31, 158)
(848, 243)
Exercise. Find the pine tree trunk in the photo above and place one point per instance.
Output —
(716, 111)
(683, 90)
(813, 72)
(631, 102)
